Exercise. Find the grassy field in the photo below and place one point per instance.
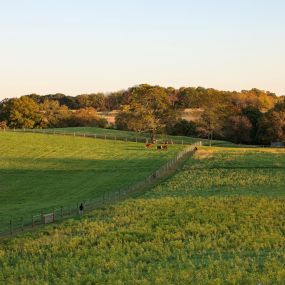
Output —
(219, 220)
(132, 135)
(40, 172)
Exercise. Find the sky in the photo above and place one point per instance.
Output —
(84, 46)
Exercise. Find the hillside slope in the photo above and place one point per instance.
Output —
(39, 172)
(220, 220)
(113, 133)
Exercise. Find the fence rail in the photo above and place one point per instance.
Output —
(98, 136)
(21, 224)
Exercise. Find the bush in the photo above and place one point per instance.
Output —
(183, 128)
(3, 125)
(86, 117)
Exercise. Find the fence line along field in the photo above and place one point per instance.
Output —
(219, 220)
(112, 133)
(39, 172)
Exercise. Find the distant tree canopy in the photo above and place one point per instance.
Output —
(24, 113)
(149, 110)
(250, 116)
(271, 127)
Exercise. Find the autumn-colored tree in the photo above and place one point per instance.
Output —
(145, 108)
(24, 113)
(3, 125)
(212, 120)
(86, 117)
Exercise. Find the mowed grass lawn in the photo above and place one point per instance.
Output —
(219, 220)
(40, 172)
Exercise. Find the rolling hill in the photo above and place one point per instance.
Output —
(218, 220)
(41, 172)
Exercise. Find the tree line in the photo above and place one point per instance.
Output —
(249, 116)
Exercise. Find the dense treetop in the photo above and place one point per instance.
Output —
(248, 116)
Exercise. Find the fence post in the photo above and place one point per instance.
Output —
(157, 174)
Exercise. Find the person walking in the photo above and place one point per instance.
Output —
(81, 208)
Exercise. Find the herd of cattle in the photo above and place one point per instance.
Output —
(163, 146)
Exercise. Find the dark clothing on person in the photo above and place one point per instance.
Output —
(81, 208)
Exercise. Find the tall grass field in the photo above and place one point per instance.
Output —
(219, 220)
(41, 172)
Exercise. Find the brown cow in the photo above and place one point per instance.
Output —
(165, 147)
(148, 145)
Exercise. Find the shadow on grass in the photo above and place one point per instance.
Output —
(51, 183)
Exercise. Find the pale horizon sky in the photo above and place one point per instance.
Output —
(75, 47)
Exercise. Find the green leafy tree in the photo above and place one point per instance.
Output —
(150, 110)
(86, 117)
(183, 128)
(5, 109)
(54, 115)
(271, 127)
(212, 120)
(254, 116)
(280, 105)
(239, 129)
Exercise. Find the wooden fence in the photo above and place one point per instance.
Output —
(98, 136)
(16, 225)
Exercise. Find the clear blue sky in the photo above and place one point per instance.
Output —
(83, 46)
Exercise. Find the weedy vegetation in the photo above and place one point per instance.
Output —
(219, 220)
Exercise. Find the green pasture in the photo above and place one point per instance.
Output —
(132, 135)
(41, 172)
(219, 220)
